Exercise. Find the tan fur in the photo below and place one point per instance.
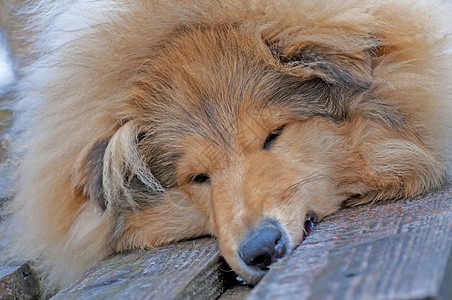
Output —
(136, 106)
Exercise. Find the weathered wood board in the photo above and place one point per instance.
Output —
(392, 250)
(18, 282)
(188, 270)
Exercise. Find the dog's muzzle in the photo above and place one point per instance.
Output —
(263, 246)
(267, 243)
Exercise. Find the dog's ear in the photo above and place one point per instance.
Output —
(88, 178)
(310, 60)
(112, 171)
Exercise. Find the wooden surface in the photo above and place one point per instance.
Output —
(18, 282)
(188, 270)
(392, 250)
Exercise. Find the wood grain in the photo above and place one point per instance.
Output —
(18, 282)
(391, 250)
(188, 270)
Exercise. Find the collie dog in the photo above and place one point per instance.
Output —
(141, 123)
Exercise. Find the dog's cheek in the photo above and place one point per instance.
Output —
(175, 218)
(200, 196)
(403, 169)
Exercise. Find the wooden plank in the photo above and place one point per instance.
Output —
(236, 292)
(187, 270)
(391, 250)
(18, 282)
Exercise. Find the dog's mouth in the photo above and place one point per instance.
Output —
(310, 223)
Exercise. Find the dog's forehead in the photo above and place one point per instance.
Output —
(207, 75)
(219, 85)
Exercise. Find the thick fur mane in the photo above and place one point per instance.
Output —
(84, 122)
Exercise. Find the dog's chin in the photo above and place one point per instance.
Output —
(251, 276)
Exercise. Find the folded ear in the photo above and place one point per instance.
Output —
(334, 66)
(87, 178)
(112, 172)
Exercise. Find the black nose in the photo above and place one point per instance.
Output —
(263, 246)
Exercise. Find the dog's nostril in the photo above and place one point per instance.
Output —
(263, 246)
(261, 261)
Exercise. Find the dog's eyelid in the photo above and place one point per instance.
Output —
(199, 178)
(274, 134)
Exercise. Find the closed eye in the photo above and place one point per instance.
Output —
(272, 137)
(200, 178)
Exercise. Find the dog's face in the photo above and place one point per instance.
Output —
(251, 138)
(259, 190)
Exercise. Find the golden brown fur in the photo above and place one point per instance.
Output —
(133, 107)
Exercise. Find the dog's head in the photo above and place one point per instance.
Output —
(252, 138)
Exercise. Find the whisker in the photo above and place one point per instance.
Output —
(313, 177)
